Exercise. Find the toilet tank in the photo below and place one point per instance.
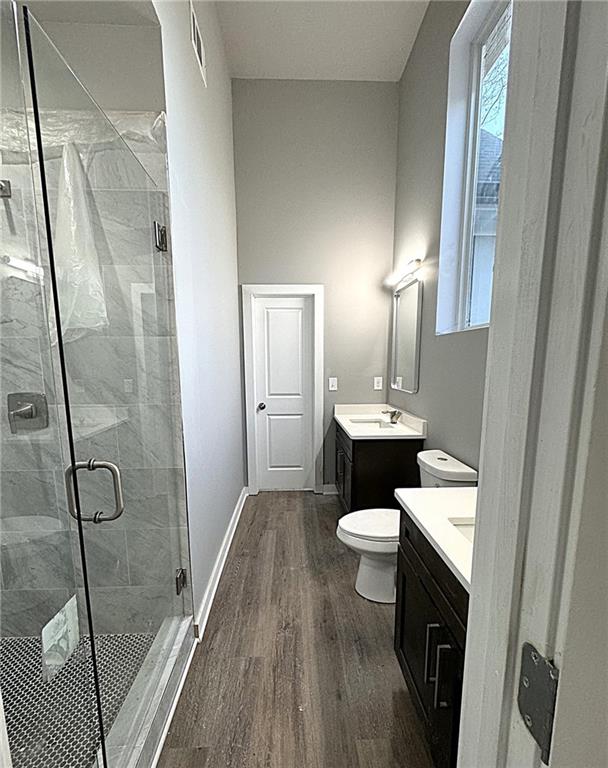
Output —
(438, 469)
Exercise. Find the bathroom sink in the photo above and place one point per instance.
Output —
(381, 423)
(371, 421)
(465, 526)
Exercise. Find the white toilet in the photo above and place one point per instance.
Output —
(374, 533)
(440, 470)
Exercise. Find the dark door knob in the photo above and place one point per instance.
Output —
(261, 406)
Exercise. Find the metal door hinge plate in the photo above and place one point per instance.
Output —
(160, 236)
(181, 580)
(538, 681)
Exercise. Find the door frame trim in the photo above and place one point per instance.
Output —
(249, 293)
(540, 494)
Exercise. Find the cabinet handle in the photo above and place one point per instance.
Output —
(438, 702)
(427, 673)
(339, 469)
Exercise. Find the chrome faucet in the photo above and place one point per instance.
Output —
(394, 415)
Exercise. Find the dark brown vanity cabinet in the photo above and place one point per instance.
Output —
(430, 632)
(368, 471)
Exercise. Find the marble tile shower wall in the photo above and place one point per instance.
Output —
(124, 394)
(36, 568)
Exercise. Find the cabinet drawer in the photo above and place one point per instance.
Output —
(452, 593)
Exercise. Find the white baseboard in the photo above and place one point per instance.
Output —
(330, 490)
(203, 612)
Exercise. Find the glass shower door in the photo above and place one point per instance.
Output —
(114, 329)
(48, 699)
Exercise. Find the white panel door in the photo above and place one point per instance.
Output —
(283, 385)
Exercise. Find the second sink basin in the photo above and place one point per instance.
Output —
(465, 526)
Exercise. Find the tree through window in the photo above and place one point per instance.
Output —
(487, 168)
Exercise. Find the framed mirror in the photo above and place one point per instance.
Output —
(405, 342)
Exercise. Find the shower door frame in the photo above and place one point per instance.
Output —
(187, 641)
(75, 495)
(5, 749)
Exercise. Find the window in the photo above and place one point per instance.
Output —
(477, 101)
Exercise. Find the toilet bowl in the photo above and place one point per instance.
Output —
(374, 535)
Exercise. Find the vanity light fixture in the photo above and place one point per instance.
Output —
(412, 267)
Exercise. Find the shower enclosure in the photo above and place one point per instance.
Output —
(95, 606)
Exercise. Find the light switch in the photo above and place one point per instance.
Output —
(332, 384)
(377, 382)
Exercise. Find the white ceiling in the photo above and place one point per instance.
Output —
(318, 40)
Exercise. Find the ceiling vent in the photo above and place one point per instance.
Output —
(197, 43)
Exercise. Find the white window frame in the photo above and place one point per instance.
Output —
(459, 175)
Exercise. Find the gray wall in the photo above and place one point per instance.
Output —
(452, 367)
(315, 182)
(201, 176)
(35, 540)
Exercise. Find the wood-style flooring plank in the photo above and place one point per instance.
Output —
(295, 670)
(184, 758)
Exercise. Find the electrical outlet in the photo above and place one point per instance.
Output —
(377, 382)
(332, 384)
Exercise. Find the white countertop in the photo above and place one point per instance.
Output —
(431, 509)
(352, 420)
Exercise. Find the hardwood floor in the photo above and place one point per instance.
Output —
(295, 670)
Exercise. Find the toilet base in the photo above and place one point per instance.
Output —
(377, 578)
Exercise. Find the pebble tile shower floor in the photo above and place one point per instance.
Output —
(53, 724)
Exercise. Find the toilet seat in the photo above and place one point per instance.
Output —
(381, 525)
(373, 534)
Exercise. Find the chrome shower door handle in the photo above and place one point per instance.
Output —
(91, 465)
(119, 503)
